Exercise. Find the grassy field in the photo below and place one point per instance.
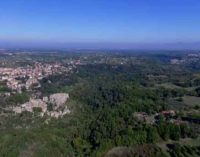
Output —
(185, 142)
(191, 100)
(169, 86)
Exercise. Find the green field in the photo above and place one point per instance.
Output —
(169, 86)
(191, 100)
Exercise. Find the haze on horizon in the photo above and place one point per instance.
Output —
(167, 24)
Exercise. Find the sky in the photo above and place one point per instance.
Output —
(122, 23)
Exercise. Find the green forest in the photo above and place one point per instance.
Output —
(116, 111)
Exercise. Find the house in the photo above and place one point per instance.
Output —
(168, 113)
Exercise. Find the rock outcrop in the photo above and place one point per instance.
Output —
(58, 100)
(29, 106)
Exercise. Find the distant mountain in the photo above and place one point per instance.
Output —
(100, 45)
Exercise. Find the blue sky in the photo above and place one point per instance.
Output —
(100, 21)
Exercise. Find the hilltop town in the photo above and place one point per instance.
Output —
(25, 77)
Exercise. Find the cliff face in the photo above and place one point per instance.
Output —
(57, 100)
(30, 105)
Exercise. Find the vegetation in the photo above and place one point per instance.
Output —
(104, 98)
(18, 98)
